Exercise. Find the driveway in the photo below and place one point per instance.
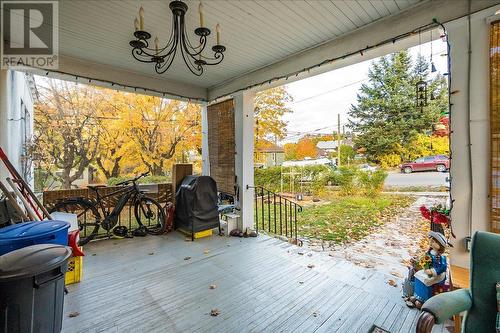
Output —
(431, 178)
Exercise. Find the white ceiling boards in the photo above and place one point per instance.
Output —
(94, 37)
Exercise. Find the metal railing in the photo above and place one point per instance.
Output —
(275, 214)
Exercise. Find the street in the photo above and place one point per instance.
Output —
(431, 178)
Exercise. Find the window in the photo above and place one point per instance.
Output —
(429, 159)
(419, 160)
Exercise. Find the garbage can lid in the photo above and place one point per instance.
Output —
(31, 229)
(32, 260)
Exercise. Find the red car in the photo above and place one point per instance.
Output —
(439, 163)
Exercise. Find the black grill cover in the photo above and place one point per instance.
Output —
(196, 204)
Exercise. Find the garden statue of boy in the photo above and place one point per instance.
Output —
(430, 280)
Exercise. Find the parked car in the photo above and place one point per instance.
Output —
(367, 167)
(439, 163)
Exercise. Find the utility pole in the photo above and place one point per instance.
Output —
(338, 140)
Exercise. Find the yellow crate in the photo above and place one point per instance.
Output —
(75, 270)
(199, 234)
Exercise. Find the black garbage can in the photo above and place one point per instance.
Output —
(32, 289)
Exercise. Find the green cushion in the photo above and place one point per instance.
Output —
(485, 273)
(445, 305)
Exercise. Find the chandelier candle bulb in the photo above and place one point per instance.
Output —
(141, 18)
(217, 29)
(200, 9)
(156, 44)
(136, 24)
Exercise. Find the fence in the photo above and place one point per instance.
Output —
(160, 192)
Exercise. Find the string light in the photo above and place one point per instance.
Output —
(126, 87)
(392, 40)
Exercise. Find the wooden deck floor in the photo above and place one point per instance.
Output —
(263, 285)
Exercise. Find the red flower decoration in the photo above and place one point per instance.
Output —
(426, 214)
(437, 217)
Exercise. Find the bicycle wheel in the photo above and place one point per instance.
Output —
(87, 214)
(149, 214)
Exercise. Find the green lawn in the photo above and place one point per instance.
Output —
(350, 218)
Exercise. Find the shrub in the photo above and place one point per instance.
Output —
(372, 182)
(309, 179)
(145, 180)
(390, 160)
(347, 180)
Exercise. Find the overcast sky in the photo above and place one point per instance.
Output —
(318, 99)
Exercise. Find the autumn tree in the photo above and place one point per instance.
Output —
(113, 143)
(157, 127)
(67, 129)
(306, 148)
(290, 151)
(270, 107)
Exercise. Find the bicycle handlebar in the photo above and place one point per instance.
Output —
(133, 180)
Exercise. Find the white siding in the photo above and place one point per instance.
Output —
(479, 127)
(16, 120)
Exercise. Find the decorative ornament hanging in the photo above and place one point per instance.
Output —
(433, 68)
(421, 89)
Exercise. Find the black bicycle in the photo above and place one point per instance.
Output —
(148, 212)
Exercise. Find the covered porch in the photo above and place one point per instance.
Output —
(260, 285)
(264, 285)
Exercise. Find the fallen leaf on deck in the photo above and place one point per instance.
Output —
(206, 251)
(397, 274)
(212, 286)
(73, 314)
(310, 266)
(187, 258)
(214, 312)
(315, 314)
(392, 283)
(301, 282)
(151, 253)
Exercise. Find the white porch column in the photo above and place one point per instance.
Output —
(244, 123)
(205, 160)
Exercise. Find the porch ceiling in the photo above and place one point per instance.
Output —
(256, 32)
(94, 36)
(260, 36)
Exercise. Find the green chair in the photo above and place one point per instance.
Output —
(479, 301)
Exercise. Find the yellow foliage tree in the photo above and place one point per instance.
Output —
(157, 129)
(270, 106)
(67, 129)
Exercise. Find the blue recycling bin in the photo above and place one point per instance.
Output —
(25, 234)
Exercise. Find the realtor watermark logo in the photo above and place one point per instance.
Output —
(30, 36)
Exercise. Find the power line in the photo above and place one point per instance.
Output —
(329, 91)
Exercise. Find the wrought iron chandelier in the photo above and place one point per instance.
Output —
(162, 57)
